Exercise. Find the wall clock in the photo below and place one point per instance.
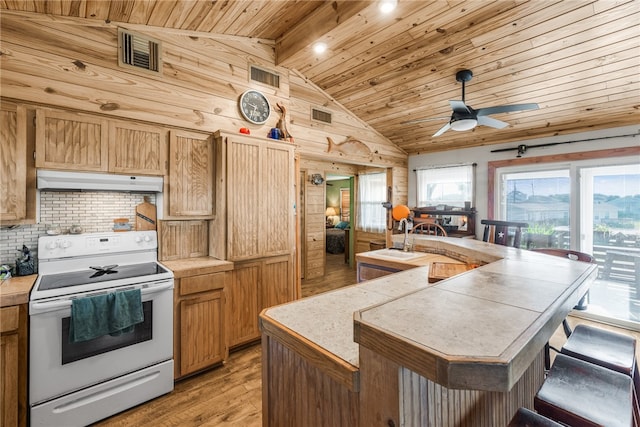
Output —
(255, 107)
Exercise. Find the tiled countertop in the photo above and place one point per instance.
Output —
(498, 315)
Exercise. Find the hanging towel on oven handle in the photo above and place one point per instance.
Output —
(113, 314)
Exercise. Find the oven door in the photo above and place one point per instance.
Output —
(58, 367)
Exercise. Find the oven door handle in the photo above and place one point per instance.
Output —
(51, 305)
(152, 289)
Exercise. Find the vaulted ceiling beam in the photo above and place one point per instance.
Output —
(295, 45)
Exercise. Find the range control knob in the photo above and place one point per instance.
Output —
(65, 244)
(138, 239)
(147, 238)
(52, 245)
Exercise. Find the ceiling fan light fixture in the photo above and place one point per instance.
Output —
(464, 124)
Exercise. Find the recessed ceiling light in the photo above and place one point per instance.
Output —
(387, 6)
(320, 48)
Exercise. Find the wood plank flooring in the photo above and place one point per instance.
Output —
(231, 395)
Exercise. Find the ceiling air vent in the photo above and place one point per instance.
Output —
(139, 51)
(263, 76)
(320, 115)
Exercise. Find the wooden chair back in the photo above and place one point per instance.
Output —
(430, 228)
(498, 232)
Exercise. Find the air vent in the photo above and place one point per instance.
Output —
(139, 51)
(320, 115)
(263, 76)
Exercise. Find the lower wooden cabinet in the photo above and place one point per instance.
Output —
(199, 323)
(256, 285)
(13, 365)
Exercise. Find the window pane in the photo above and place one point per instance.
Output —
(542, 199)
(372, 191)
(451, 186)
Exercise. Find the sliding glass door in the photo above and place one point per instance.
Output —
(610, 230)
(589, 206)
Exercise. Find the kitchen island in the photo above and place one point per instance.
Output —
(397, 350)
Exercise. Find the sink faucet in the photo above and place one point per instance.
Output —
(405, 246)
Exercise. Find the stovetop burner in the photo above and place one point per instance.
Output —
(99, 274)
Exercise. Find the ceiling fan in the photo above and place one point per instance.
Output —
(465, 118)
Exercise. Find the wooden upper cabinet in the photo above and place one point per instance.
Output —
(13, 191)
(138, 149)
(190, 174)
(71, 141)
(260, 198)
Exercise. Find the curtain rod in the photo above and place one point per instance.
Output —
(445, 166)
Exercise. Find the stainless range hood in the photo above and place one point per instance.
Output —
(81, 181)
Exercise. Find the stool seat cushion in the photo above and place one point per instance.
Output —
(605, 348)
(527, 418)
(576, 392)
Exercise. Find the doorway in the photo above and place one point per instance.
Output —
(339, 201)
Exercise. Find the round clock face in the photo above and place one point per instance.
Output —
(255, 107)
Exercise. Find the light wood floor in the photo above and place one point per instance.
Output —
(230, 395)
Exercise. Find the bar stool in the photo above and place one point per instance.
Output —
(527, 418)
(579, 393)
(608, 349)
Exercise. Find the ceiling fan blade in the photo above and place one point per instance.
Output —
(442, 130)
(459, 106)
(411, 122)
(491, 122)
(506, 109)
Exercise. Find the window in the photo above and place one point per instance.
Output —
(450, 185)
(372, 191)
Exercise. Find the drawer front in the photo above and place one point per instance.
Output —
(9, 317)
(201, 283)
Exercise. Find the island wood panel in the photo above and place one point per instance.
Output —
(139, 149)
(13, 166)
(423, 399)
(295, 389)
(190, 174)
(67, 140)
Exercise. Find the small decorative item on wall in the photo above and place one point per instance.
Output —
(317, 179)
(350, 146)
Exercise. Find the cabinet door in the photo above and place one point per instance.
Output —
(202, 342)
(190, 174)
(9, 355)
(244, 198)
(276, 286)
(182, 239)
(278, 195)
(242, 308)
(260, 198)
(71, 141)
(13, 174)
(137, 149)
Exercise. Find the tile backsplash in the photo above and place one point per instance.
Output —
(93, 211)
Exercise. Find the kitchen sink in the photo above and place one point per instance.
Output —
(395, 254)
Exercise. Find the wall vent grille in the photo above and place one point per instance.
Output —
(263, 76)
(320, 115)
(139, 51)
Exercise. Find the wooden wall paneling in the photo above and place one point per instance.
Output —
(218, 224)
(136, 148)
(190, 174)
(66, 140)
(196, 235)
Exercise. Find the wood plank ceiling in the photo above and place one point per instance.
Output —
(579, 60)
